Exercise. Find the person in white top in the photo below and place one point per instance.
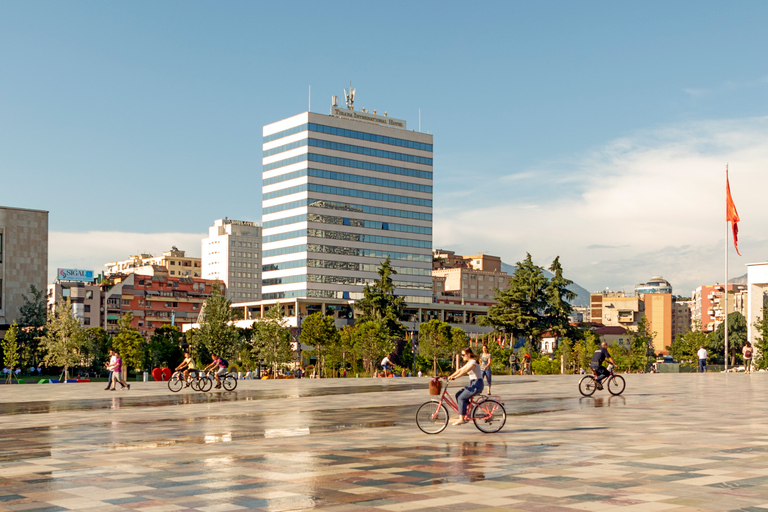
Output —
(472, 370)
(702, 353)
(386, 364)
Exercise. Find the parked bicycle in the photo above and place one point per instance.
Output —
(615, 383)
(488, 412)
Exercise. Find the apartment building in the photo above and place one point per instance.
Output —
(176, 261)
(154, 300)
(471, 279)
(232, 254)
(23, 258)
(84, 296)
(708, 304)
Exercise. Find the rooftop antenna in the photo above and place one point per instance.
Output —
(349, 97)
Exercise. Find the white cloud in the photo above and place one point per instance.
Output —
(656, 199)
(91, 250)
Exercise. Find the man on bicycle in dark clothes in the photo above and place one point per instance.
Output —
(601, 354)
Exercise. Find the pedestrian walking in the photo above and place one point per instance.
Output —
(485, 366)
(108, 366)
(746, 352)
(117, 377)
(702, 353)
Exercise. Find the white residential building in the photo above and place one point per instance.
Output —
(341, 193)
(232, 254)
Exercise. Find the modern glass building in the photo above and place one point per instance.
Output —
(341, 193)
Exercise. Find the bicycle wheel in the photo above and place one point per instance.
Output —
(206, 383)
(587, 385)
(489, 416)
(195, 384)
(432, 417)
(175, 384)
(229, 383)
(616, 385)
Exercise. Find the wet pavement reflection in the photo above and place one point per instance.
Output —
(356, 447)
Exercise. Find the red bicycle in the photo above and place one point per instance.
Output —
(488, 412)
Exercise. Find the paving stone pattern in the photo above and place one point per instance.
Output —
(671, 442)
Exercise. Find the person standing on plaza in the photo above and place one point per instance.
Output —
(472, 370)
(747, 353)
(485, 366)
(702, 353)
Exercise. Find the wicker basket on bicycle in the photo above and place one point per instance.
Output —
(435, 387)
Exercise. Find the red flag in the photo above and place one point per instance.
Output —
(731, 214)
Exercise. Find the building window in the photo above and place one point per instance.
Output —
(173, 272)
(87, 321)
(88, 294)
(173, 262)
(87, 308)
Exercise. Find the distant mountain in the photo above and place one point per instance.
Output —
(738, 280)
(582, 295)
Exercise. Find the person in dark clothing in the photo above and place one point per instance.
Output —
(601, 354)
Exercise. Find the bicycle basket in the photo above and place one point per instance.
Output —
(434, 387)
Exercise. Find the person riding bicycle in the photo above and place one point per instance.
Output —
(472, 370)
(187, 364)
(387, 364)
(221, 372)
(601, 354)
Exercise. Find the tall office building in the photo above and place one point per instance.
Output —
(341, 193)
(232, 254)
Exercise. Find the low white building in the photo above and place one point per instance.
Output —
(757, 289)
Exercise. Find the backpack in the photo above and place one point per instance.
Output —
(223, 362)
(748, 353)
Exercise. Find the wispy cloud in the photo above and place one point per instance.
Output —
(93, 249)
(656, 199)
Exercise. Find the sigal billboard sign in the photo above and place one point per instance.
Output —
(73, 274)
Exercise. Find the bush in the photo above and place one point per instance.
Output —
(543, 366)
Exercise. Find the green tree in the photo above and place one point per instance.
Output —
(271, 339)
(685, 347)
(521, 308)
(64, 338)
(98, 342)
(371, 341)
(319, 331)
(558, 309)
(760, 344)
(217, 335)
(32, 319)
(164, 347)
(129, 343)
(379, 302)
(436, 341)
(640, 345)
(11, 350)
(737, 336)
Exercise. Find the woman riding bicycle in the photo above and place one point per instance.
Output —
(472, 370)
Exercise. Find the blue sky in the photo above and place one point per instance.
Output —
(597, 131)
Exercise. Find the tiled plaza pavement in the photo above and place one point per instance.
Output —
(671, 442)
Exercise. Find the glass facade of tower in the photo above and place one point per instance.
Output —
(340, 196)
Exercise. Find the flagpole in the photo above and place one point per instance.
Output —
(725, 287)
